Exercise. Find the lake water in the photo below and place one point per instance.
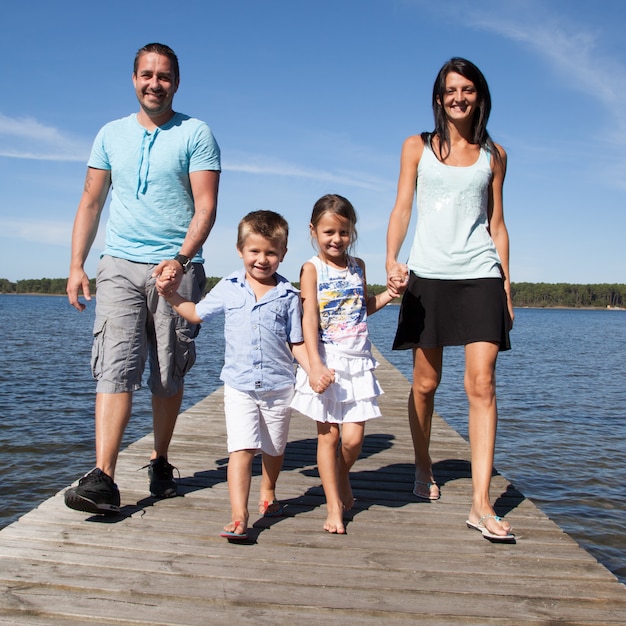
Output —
(561, 398)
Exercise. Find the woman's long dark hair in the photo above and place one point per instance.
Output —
(480, 135)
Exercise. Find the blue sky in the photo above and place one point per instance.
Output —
(307, 98)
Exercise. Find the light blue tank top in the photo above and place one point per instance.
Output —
(452, 240)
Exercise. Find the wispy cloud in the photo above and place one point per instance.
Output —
(572, 48)
(265, 166)
(44, 232)
(37, 231)
(27, 138)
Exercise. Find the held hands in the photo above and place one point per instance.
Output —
(168, 278)
(321, 378)
(397, 279)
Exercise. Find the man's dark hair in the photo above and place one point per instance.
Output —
(159, 48)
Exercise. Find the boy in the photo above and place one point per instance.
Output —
(262, 326)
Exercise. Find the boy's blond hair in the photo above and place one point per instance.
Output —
(267, 224)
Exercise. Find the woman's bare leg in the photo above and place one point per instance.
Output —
(427, 365)
(480, 385)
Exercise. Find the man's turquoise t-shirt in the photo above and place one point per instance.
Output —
(151, 200)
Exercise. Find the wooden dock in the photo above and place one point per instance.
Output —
(402, 561)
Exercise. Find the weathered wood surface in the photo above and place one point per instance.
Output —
(402, 561)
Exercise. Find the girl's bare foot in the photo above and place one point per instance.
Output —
(345, 492)
(334, 522)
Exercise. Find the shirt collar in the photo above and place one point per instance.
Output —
(283, 286)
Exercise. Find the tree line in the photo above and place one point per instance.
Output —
(524, 294)
(56, 286)
(601, 295)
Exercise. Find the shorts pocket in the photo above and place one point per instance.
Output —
(185, 353)
(97, 349)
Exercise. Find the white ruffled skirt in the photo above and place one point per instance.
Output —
(351, 398)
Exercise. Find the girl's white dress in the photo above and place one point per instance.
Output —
(345, 347)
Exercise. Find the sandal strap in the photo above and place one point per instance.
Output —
(429, 484)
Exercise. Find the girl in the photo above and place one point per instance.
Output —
(335, 309)
(458, 291)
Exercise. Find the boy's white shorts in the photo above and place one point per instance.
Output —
(258, 420)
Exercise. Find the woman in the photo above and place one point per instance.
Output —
(457, 291)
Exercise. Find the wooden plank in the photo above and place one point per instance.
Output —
(402, 561)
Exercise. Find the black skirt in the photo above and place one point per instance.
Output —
(436, 313)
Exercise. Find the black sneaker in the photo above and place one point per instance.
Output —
(161, 474)
(95, 493)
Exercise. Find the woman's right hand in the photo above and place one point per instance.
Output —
(397, 279)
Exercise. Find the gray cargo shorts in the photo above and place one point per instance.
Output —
(133, 324)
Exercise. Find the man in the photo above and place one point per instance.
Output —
(163, 168)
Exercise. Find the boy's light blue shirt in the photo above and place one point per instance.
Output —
(151, 199)
(257, 355)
